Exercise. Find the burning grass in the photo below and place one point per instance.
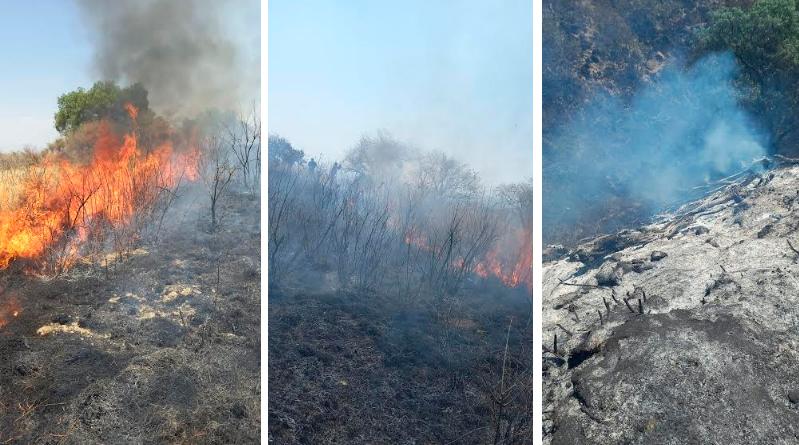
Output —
(125, 317)
(54, 207)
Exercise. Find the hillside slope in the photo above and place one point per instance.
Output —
(682, 331)
(612, 46)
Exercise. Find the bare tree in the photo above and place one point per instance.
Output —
(216, 171)
(282, 202)
(443, 176)
(457, 240)
(244, 138)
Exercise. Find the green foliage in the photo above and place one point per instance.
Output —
(763, 37)
(281, 150)
(765, 41)
(102, 100)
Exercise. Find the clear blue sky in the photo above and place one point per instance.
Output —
(45, 53)
(454, 76)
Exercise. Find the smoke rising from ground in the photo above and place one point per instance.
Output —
(683, 130)
(182, 51)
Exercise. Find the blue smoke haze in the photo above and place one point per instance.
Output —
(684, 129)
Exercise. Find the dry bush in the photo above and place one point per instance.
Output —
(282, 209)
(217, 171)
(244, 138)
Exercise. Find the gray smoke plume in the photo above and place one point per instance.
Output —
(182, 51)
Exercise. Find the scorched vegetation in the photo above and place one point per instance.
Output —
(399, 299)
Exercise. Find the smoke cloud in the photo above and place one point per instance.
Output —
(683, 130)
(182, 51)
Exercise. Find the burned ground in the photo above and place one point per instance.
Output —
(159, 346)
(349, 367)
(683, 331)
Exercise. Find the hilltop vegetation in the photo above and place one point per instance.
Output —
(592, 47)
(616, 49)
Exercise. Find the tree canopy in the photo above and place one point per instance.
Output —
(102, 100)
(281, 150)
(764, 39)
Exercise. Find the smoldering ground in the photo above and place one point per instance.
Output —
(618, 162)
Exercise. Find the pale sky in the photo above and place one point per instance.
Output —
(44, 55)
(454, 76)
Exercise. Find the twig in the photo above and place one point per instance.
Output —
(565, 330)
(555, 344)
(467, 434)
(627, 303)
(593, 286)
(796, 252)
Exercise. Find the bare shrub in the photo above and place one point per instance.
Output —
(456, 240)
(244, 138)
(281, 204)
(216, 170)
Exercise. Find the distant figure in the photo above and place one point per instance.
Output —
(335, 169)
(312, 165)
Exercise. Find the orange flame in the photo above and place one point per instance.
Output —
(514, 273)
(416, 239)
(62, 201)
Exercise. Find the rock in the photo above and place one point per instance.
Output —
(657, 255)
(554, 252)
(24, 369)
(793, 396)
(608, 275)
(765, 231)
(238, 410)
(699, 230)
(62, 319)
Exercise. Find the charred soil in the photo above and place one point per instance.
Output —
(159, 344)
(363, 367)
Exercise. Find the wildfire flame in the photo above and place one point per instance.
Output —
(416, 239)
(512, 271)
(63, 201)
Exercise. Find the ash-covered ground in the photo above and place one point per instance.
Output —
(159, 346)
(682, 331)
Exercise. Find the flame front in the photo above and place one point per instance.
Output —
(60, 201)
(514, 272)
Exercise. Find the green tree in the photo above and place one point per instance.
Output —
(281, 150)
(765, 41)
(103, 100)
